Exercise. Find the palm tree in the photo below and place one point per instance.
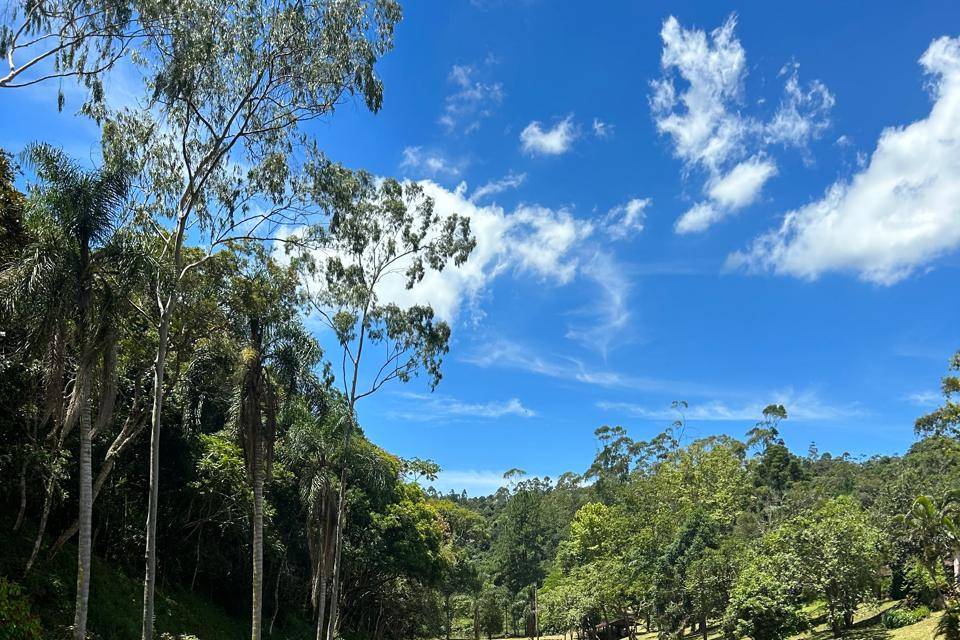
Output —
(932, 528)
(275, 363)
(75, 213)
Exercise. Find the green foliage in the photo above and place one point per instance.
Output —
(948, 626)
(901, 617)
(920, 585)
(16, 620)
(764, 600)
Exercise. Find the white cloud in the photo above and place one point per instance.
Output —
(531, 239)
(705, 123)
(472, 102)
(698, 218)
(602, 129)
(928, 399)
(703, 129)
(432, 407)
(543, 240)
(474, 482)
(803, 406)
(895, 216)
(741, 186)
(509, 181)
(803, 114)
(627, 219)
(535, 140)
(429, 163)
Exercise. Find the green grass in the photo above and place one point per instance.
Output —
(867, 626)
(115, 599)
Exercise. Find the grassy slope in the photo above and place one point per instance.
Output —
(866, 627)
(115, 599)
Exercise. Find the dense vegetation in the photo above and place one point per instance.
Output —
(167, 410)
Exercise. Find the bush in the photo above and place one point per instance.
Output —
(16, 620)
(902, 617)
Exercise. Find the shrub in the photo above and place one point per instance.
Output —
(16, 620)
(902, 617)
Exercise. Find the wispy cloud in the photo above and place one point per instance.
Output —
(510, 355)
(435, 407)
(602, 129)
(801, 406)
(473, 100)
(492, 188)
(608, 316)
(929, 399)
(626, 220)
(424, 162)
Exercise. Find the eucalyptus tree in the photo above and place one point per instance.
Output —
(44, 40)
(379, 231)
(68, 271)
(229, 86)
(276, 356)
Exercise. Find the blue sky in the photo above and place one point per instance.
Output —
(727, 203)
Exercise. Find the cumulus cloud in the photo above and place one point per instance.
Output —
(697, 104)
(536, 140)
(626, 219)
(742, 184)
(472, 101)
(898, 214)
(531, 240)
(698, 218)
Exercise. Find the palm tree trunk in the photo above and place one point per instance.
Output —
(257, 548)
(150, 555)
(86, 514)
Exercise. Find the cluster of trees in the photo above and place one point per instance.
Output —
(718, 535)
(155, 364)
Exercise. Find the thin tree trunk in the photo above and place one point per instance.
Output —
(196, 562)
(338, 543)
(276, 596)
(150, 555)
(21, 512)
(257, 545)
(44, 517)
(86, 514)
